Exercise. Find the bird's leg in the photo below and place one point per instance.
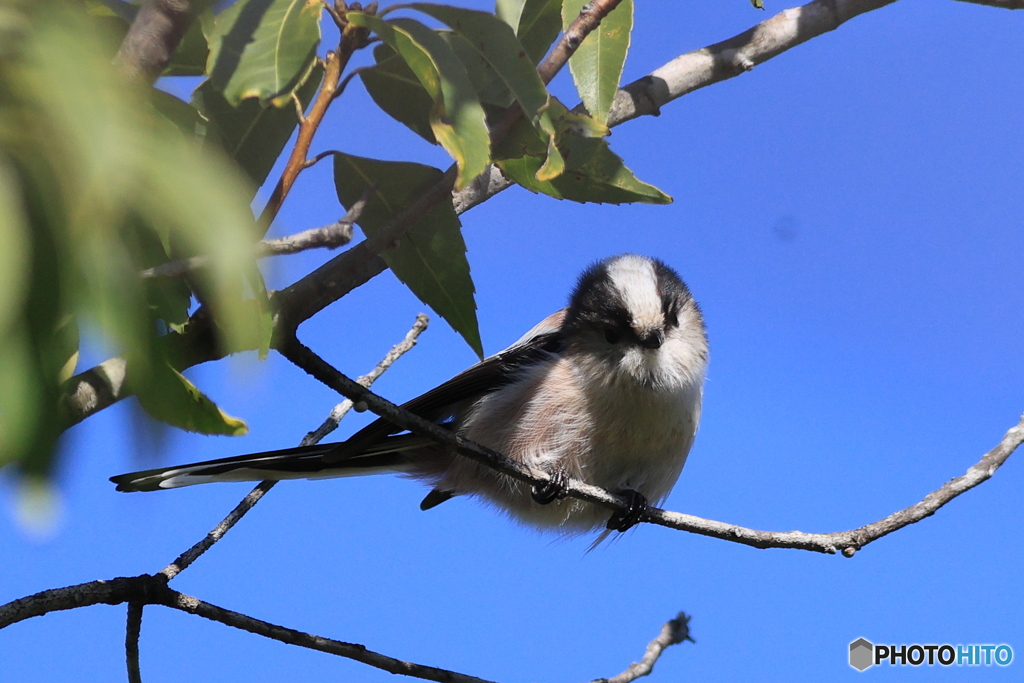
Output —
(636, 509)
(551, 491)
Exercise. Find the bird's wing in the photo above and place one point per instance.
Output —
(490, 374)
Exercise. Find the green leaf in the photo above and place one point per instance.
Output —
(490, 89)
(596, 65)
(456, 118)
(593, 173)
(182, 114)
(758, 4)
(496, 42)
(252, 134)
(539, 23)
(431, 257)
(263, 48)
(396, 89)
(193, 51)
(94, 186)
(169, 397)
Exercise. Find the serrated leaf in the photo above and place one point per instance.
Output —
(263, 48)
(490, 89)
(253, 134)
(169, 397)
(540, 22)
(593, 173)
(431, 257)
(497, 43)
(596, 65)
(396, 90)
(456, 117)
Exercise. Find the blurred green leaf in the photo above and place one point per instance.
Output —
(183, 115)
(758, 4)
(431, 257)
(169, 397)
(94, 186)
(456, 118)
(253, 134)
(263, 48)
(596, 65)
(396, 89)
(536, 22)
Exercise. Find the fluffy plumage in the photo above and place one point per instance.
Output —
(607, 391)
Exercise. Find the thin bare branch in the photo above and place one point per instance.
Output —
(847, 542)
(367, 380)
(589, 19)
(153, 590)
(283, 634)
(1001, 4)
(331, 236)
(674, 631)
(131, 641)
(182, 562)
(153, 37)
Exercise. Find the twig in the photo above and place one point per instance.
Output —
(192, 554)
(89, 392)
(182, 562)
(283, 634)
(589, 19)
(131, 641)
(352, 38)
(331, 236)
(367, 380)
(847, 542)
(674, 631)
(153, 37)
(1001, 4)
(153, 590)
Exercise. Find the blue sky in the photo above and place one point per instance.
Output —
(849, 216)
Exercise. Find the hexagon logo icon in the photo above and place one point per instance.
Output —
(861, 654)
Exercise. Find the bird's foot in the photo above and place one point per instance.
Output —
(633, 514)
(551, 491)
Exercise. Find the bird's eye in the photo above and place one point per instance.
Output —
(611, 335)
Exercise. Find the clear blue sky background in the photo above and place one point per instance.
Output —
(850, 217)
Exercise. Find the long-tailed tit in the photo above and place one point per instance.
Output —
(606, 391)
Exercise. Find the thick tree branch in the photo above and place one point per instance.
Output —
(674, 631)
(847, 542)
(153, 37)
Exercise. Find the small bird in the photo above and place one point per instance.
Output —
(606, 391)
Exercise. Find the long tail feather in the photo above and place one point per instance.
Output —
(303, 462)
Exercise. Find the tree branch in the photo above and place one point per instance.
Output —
(352, 38)
(98, 388)
(182, 562)
(153, 590)
(1001, 4)
(153, 37)
(674, 631)
(847, 542)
